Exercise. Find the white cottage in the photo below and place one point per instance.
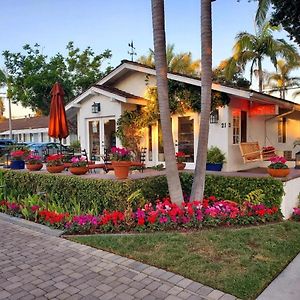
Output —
(250, 116)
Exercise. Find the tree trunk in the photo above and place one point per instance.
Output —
(158, 20)
(260, 76)
(206, 82)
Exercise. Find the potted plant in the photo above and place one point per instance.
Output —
(33, 162)
(278, 167)
(121, 161)
(180, 157)
(215, 159)
(17, 159)
(55, 163)
(78, 165)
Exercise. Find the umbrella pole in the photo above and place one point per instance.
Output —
(60, 139)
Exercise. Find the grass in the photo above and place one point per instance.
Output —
(240, 261)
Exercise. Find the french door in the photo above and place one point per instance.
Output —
(184, 130)
(102, 136)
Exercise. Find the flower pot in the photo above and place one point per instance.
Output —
(278, 172)
(181, 166)
(214, 166)
(34, 167)
(17, 164)
(78, 170)
(121, 168)
(55, 169)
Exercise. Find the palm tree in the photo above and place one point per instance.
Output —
(282, 79)
(159, 38)
(261, 14)
(255, 48)
(206, 82)
(179, 63)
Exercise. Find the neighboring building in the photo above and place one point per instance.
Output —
(250, 116)
(30, 129)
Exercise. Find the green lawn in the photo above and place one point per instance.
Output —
(238, 261)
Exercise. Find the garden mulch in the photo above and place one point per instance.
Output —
(36, 264)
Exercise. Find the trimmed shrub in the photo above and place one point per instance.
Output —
(113, 194)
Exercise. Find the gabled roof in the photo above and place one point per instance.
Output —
(130, 66)
(108, 91)
(26, 123)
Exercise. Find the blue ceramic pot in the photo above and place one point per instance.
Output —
(17, 164)
(214, 167)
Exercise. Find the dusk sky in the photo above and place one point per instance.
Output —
(112, 24)
(104, 24)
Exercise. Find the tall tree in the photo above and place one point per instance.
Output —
(282, 79)
(236, 80)
(206, 82)
(32, 74)
(285, 13)
(182, 63)
(158, 21)
(254, 48)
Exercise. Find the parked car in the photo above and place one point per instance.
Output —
(5, 145)
(48, 148)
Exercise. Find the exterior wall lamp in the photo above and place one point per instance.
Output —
(214, 117)
(96, 107)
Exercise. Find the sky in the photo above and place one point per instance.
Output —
(112, 24)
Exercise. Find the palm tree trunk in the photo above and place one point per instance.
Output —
(158, 20)
(206, 82)
(260, 76)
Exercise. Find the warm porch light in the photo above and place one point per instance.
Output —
(96, 107)
(297, 166)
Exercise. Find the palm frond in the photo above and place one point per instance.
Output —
(261, 14)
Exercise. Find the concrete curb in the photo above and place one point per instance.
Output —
(31, 225)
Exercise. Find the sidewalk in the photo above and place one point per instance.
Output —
(287, 284)
(36, 264)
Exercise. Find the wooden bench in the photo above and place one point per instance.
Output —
(251, 152)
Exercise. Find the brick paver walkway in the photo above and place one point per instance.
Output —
(35, 265)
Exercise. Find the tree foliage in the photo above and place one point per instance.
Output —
(285, 13)
(182, 63)
(254, 48)
(31, 74)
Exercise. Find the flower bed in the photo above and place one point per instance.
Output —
(162, 216)
(113, 195)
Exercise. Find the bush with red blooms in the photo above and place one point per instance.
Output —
(165, 215)
(296, 214)
(55, 160)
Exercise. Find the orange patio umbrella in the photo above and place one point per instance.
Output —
(58, 124)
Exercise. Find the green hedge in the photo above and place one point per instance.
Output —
(112, 194)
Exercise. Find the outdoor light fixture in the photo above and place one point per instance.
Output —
(297, 166)
(96, 107)
(214, 117)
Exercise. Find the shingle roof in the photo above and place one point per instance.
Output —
(116, 91)
(26, 123)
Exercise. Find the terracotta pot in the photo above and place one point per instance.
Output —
(78, 170)
(181, 166)
(278, 172)
(35, 167)
(121, 168)
(55, 169)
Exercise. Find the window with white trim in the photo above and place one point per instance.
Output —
(236, 128)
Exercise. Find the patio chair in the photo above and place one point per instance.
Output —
(251, 152)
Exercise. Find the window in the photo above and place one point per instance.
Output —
(282, 130)
(239, 126)
(236, 128)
